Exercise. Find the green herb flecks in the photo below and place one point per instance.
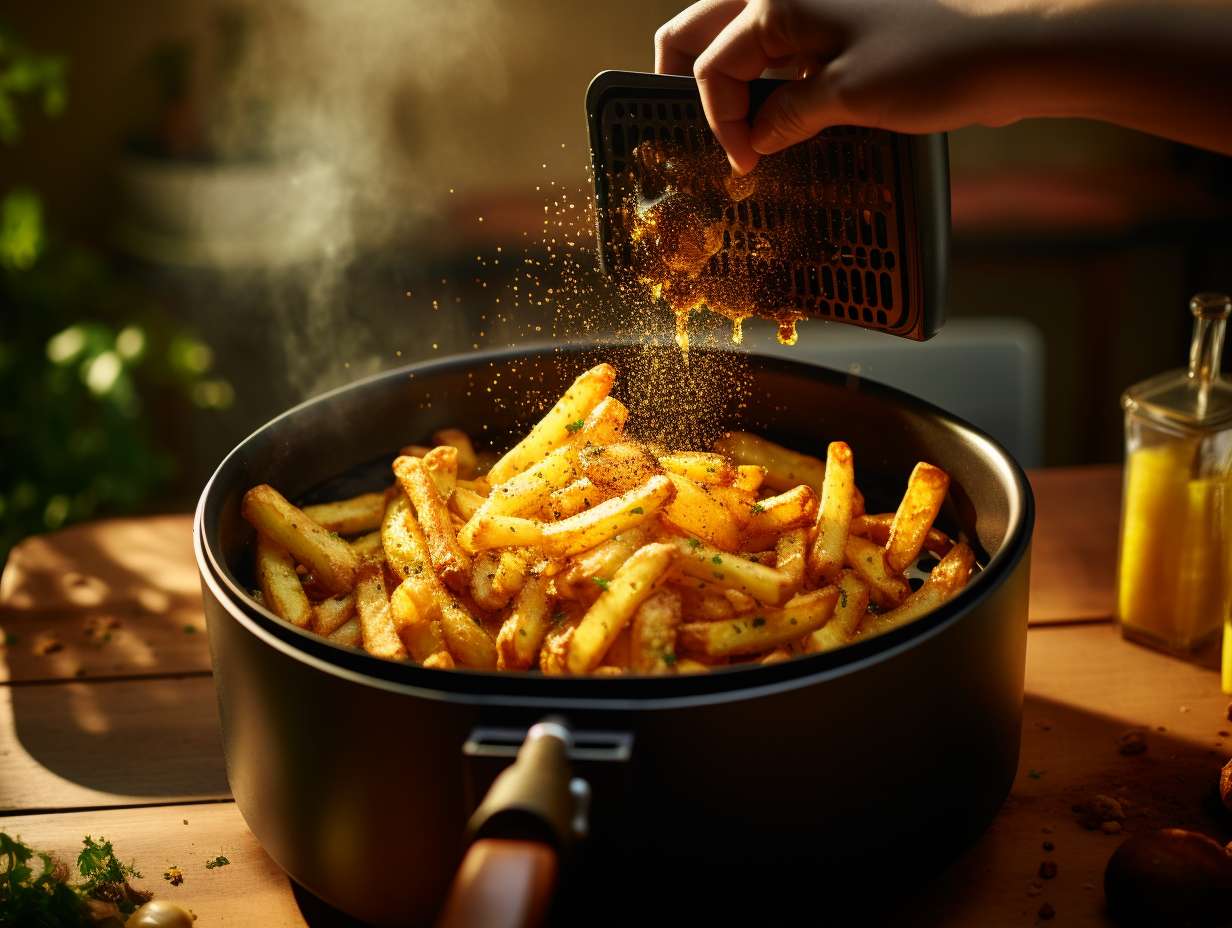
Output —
(576, 426)
(216, 862)
(601, 582)
(637, 511)
(759, 621)
(756, 508)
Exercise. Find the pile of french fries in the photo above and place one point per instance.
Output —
(581, 551)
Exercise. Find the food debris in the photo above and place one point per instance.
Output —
(1131, 743)
(99, 627)
(174, 875)
(1097, 811)
(218, 861)
(190, 629)
(47, 643)
(1034, 888)
(1110, 828)
(1047, 912)
(1035, 774)
(1047, 869)
(1049, 846)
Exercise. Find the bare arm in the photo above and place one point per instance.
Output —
(1161, 66)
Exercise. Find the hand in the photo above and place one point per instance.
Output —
(935, 65)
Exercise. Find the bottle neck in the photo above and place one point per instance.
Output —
(1211, 313)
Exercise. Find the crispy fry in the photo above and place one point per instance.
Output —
(849, 615)
(611, 517)
(331, 614)
(696, 512)
(496, 576)
(604, 425)
(877, 528)
(946, 579)
(486, 531)
(764, 584)
(417, 626)
(764, 630)
(349, 516)
(380, 638)
(609, 614)
(564, 419)
(280, 584)
(441, 464)
(572, 499)
(368, 547)
(465, 502)
(330, 559)
(528, 623)
(652, 641)
(704, 467)
(448, 559)
(406, 551)
(348, 634)
(618, 467)
(829, 548)
(777, 656)
(741, 504)
(790, 553)
(455, 438)
(530, 490)
(925, 493)
(749, 477)
(691, 665)
(603, 560)
(771, 517)
(784, 468)
(705, 604)
(868, 560)
(554, 654)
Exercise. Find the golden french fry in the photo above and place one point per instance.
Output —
(791, 551)
(602, 561)
(380, 638)
(946, 579)
(448, 559)
(349, 516)
(528, 623)
(455, 438)
(478, 486)
(764, 630)
(618, 467)
(652, 640)
(765, 584)
(554, 654)
(564, 419)
(530, 490)
(488, 531)
(849, 615)
(348, 634)
(281, 588)
(829, 548)
(611, 517)
(496, 576)
(572, 499)
(877, 528)
(331, 614)
(330, 559)
(777, 656)
(419, 629)
(368, 547)
(604, 425)
(741, 602)
(741, 505)
(868, 560)
(919, 507)
(696, 512)
(700, 602)
(406, 550)
(783, 467)
(703, 467)
(690, 665)
(623, 594)
(795, 508)
(441, 463)
(464, 503)
(749, 477)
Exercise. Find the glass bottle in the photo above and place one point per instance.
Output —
(1174, 585)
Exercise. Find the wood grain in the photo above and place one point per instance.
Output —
(1073, 560)
(90, 744)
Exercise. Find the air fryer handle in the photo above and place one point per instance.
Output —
(502, 883)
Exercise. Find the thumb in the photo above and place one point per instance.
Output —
(794, 112)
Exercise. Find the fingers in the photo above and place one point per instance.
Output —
(687, 34)
(794, 112)
(736, 56)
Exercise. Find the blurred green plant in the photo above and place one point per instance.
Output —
(87, 364)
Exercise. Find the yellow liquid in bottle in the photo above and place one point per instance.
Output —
(1175, 573)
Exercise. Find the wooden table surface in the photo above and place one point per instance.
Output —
(108, 723)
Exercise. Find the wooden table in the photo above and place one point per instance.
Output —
(108, 723)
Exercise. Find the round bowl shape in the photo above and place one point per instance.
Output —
(357, 775)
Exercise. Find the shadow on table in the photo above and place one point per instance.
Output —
(1068, 756)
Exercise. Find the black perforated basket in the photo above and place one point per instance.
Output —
(873, 206)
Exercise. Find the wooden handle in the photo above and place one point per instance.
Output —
(501, 884)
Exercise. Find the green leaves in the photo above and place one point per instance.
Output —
(45, 897)
(25, 73)
(21, 229)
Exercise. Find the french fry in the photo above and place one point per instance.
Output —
(330, 559)
(825, 558)
(926, 491)
(488, 531)
(690, 665)
(764, 630)
(469, 644)
(695, 512)
(348, 634)
(764, 584)
(701, 602)
(368, 547)
(406, 550)
(468, 463)
(741, 602)
(417, 627)
(849, 615)
(496, 576)
(564, 419)
(652, 641)
(450, 561)
(877, 528)
(784, 468)
(611, 517)
(609, 614)
(281, 588)
(741, 505)
(620, 653)
(618, 467)
(376, 626)
(867, 559)
(946, 579)
(602, 561)
(530, 490)
(771, 517)
(441, 463)
(349, 516)
(554, 654)
(527, 625)
(604, 425)
(572, 499)
(479, 486)
(465, 503)
(331, 614)
(749, 477)
(791, 551)
(703, 467)
(777, 656)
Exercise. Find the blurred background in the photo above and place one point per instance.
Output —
(212, 210)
